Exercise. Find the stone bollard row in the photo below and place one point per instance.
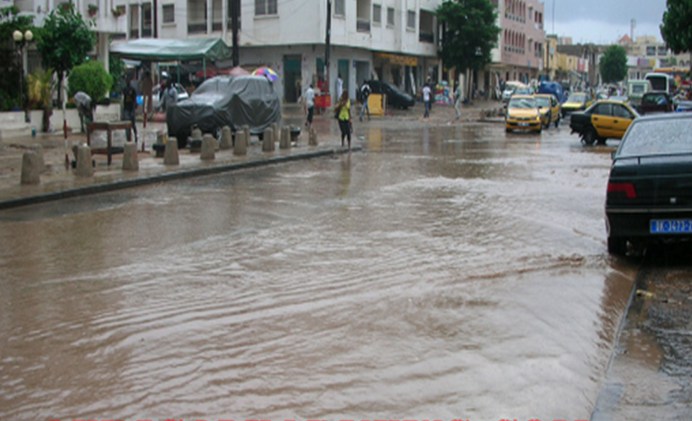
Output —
(170, 154)
(285, 142)
(312, 137)
(241, 141)
(268, 140)
(208, 151)
(31, 168)
(130, 161)
(226, 138)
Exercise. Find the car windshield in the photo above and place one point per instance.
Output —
(577, 98)
(657, 137)
(522, 103)
(543, 101)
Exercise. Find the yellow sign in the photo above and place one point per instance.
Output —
(396, 59)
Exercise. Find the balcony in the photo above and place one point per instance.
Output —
(199, 27)
(363, 25)
(426, 37)
(110, 24)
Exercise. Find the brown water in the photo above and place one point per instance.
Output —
(444, 273)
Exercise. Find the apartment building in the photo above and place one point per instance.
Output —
(521, 44)
(392, 39)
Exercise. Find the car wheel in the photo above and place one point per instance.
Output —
(601, 141)
(617, 246)
(589, 137)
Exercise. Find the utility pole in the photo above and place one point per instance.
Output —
(327, 47)
(235, 4)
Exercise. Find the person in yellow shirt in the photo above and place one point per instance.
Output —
(343, 114)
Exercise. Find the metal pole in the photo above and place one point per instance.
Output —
(234, 23)
(327, 46)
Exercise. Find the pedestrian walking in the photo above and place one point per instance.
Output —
(364, 95)
(342, 113)
(458, 100)
(170, 97)
(130, 106)
(310, 104)
(427, 96)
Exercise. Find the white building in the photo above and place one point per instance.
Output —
(396, 40)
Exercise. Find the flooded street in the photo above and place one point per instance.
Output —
(445, 272)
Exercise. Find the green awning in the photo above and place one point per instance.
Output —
(157, 49)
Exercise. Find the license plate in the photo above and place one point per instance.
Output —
(670, 226)
(524, 124)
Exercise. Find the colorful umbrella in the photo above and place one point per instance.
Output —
(266, 72)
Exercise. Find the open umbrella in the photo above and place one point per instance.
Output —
(266, 72)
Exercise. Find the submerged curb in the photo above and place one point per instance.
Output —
(169, 176)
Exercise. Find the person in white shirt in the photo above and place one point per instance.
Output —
(364, 95)
(458, 98)
(310, 104)
(427, 94)
(339, 86)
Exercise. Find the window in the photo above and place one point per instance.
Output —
(376, 13)
(662, 50)
(620, 111)
(651, 50)
(411, 19)
(340, 7)
(603, 109)
(168, 13)
(390, 16)
(265, 7)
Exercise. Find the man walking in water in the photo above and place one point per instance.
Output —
(364, 95)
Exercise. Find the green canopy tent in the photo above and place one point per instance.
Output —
(157, 49)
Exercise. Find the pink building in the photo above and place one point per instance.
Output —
(519, 53)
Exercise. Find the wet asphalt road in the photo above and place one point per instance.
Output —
(449, 271)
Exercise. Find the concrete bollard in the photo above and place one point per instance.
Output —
(241, 140)
(208, 148)
(246, 130)
(285, 142)
(84, 164)
(276, 130)
(130, 161)
(170, 154)
(196, 141)
(313, 137)
(39, 151)
(226, 139)
(31, 168)
(268, 140)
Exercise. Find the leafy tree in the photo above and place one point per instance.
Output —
(116, 67)
(676, 29)
(64, 41)
(9, 61)
(613, 64)
(91, 78)
(469, 33)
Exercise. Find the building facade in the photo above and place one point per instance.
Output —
(520, 49)
(393, 40)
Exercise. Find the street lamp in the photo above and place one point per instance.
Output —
(21, 39)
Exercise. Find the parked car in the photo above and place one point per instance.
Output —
(648, 195)
(395, 96)
(233, 101)
(656, 102)
(576, 101)
(523, 114)
(606, 119)
(549, 109)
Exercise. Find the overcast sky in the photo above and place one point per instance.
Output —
(603, 21)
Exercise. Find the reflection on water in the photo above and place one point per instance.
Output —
(449, 273)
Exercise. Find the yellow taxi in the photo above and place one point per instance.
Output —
(576, 101)
(522, 114)
(549, 109)
(605, 119)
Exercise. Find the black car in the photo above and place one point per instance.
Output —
(233, 101)
(649, 194)
(395, 96)
(656, 102)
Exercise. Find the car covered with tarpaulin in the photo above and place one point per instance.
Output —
(233, 101)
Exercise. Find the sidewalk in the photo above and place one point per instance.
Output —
(59, 181)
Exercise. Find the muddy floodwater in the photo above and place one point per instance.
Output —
(444, 272)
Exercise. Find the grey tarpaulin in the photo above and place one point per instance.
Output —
(235, 101)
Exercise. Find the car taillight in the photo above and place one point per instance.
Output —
(627, 188)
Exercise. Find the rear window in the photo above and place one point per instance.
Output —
(657, 137)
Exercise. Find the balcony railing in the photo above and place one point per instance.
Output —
(363, 25)
(197, 27)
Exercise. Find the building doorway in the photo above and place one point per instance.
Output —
(342, 69)
(292, 81)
